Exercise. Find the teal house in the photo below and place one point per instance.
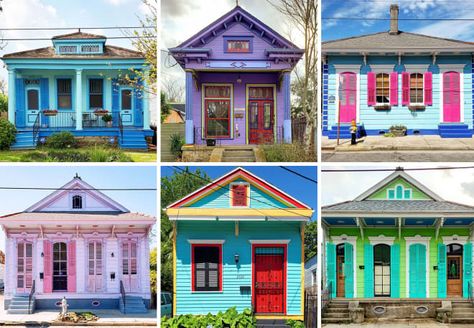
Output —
(79, 84)
(239, 242)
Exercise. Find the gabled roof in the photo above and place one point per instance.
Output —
(78, 36)
(110, 52)
(398, 206)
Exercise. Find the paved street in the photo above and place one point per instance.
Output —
(398, 156)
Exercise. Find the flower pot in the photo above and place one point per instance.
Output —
(109, 124)
(50, 113)
(398, 132)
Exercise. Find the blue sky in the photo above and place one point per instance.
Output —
(56, 176)
(295, 186)
(335, 29)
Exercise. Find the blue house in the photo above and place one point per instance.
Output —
(398, 78)
(82, 85)
(239, 242)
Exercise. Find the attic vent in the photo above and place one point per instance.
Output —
(67, 49)
(77, 202)
(90, 48)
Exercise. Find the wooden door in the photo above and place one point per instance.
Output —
(129, 266)
(24, 267)
(261, 116)
(348, 100)
(451, 97)
(95, 281)
(269, 281)
(454, 275)
(341, 284)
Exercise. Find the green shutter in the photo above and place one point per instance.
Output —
(349, 270)
(331, 267)
(369, 270)
(417, 271)
(467, 276)
(395, 271)
(441, 271)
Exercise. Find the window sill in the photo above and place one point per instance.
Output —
(382, 107)
(416, 107)
(207, 292)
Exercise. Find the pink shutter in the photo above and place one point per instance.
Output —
(394, 88)
(371, 89)
(428, 88)
(405, 88)
(71, 266)
(48, 267)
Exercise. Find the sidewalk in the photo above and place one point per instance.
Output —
(407, 143)
(400, 324)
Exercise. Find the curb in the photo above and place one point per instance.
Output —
(92, 324)
(388, 148)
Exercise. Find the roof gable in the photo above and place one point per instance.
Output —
(78, 36)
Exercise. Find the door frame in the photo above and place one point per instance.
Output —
(459, 68)
(336, 240)
(132, 109)
(455, 239)
(348, 69)
(390, 269)
(461, 273)
(33, 249)
(285, 265)
(411, 241)
(138, 274)
(247, 109)
(27, 111)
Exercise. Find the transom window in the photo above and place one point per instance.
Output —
(126, 95)
(68, 49)
(96, 93)
(217, 100)
(207, 267)
(399, 192)
(76, 202)
(33, 99)
(416, 88)
(239, 195)
(90, 48)
(382, 91)
(238, 45)
(64, 93)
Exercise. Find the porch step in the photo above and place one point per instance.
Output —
(19, 305)
(463, 313)
(24, 140)
(268, 323)
(133, 139)
(344, 132)
(133, 304)
(167, 130)
(238, 155)
(336, 312)
(454, 130)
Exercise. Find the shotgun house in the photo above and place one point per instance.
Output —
(238, 241)
(80, 84)
(80, 244)
(394, 78)
(237, 82)
(398, 244)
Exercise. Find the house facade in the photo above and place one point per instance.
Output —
(72, 85)
(239, 242)
(397, 78)
(237, 82)
(79, 244)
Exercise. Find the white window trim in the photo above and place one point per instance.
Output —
(247, 197)
(381, 240)
(455, 239)
(348, 69)
(417, 240)
(353, 241)
(422, 91)
(443, 68)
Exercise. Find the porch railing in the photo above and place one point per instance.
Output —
(277, 138)
(30, 296)
(122, 293)
(326, 296)
(36, 129)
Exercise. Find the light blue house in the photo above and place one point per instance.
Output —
(72, 85)
(239, 242)
(398, 78)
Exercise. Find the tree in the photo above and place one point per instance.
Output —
(174, 89)
(153, 275)
(165, 106)
(3, 103)
(173, 188)
(311, 240)
(303, 15)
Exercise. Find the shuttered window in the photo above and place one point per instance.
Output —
(207, 267)
(239, 195)
(382, 88)
(416, 88)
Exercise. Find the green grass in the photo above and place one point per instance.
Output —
(19, 155)
(138, 156)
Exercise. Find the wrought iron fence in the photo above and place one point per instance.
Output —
(276, 138)
(298, 129)
(311, 307)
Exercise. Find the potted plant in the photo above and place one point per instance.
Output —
(50, 112)
(107, 118)
(398, 130)
(100, 112)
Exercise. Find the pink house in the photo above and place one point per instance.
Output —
(80, 244)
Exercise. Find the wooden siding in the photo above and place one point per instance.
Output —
(416, 193)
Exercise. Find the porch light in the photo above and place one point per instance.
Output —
(236, 258)
(239, 79)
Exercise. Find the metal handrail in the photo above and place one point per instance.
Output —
(326, 296)
(36, 128)
(122, 292)
(469, 292)
(120, 124)
(30, 297)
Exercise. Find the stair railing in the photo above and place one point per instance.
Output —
(120, 124)
(469, 292)
(30, 296)
(122, 293)
(36, 128)
(326, 296)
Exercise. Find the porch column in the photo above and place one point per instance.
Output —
(38, 265)
(144, 266)
(146, 101)
(286, 107)
(11, 95)
(78, 99)
(189, 107)
(9, 267)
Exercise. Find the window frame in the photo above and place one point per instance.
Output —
(247, 38)
(231, 185)
(37, 89)
(422, 103)
(90, 94)
(58, 94)
(404, 192)
(377, 103)
(206, 100)
(131, 98)
(193, 268)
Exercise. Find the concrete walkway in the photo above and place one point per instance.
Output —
(400, 324)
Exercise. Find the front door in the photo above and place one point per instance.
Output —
(129, 266)
(126, 106)
(94, 281)
(261, 116)
(348, 97)
(24, 267)
(451, 97)
(32, 106)
(341, 284)
(382, 270)
(59, 267)
(454, 275)
(269, 279)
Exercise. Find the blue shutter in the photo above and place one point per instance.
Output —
(467, 276)
(115, 102)
(349, 270)
(422, 271)
(417, 271)
(44, 98)
(369, 270)
(442, 271)
(139, 94)
(331, 267)
(395, 271)
(20, 110)
(412, 271)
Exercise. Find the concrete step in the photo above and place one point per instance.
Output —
(238, 159)
(336, 315)
(460, 315)
(337, 310)
(338, 305)
(462, 305)
(336, 320)
(271, 323)
(463, 320)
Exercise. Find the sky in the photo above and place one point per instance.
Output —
(413, 9)
(181, 19)
(51, 176)
(297, 187)
(451, 185)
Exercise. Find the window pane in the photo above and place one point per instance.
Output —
(217, 92)
(126, 99)
(254, 115)
(33, 100)
(382, 88)
(96, 93)
(218, 128)
(267, 118)
(206, 263)
(238, 45)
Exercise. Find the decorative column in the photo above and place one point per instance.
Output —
(189, 107)
(11, 95)
(286, 107)
(146, 101)
(78, 99)
(38, 264)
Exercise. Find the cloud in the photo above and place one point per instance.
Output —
(116, 2)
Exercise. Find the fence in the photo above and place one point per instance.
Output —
(311, 307)
(298, 129)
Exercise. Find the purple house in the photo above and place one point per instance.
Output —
(237, 82)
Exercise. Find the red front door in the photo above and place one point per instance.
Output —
(261, 116)
(348, 101)
(451, 97)
(269, 282)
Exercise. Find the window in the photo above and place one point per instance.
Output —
(238, 45)
(217, 100)
(59, 266)
(126, 95)
(382, 270)
(90, 48)
(416, 88)
(239, 195)
(77, 202)
(96, 93)
(68, 49)
(382, 91)
(206, 267)
(399, 192)
(64, 94)
(33, 99)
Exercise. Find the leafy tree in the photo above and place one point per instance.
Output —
(165, 107)
(153, 274)
(311, 240)
(174, 188)
(3, 103)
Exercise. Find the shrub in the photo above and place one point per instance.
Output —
(229, 318)
(177, 142)
(74, 155)
(69, 155)
(36, 156)
(295, 323)
(61, 140)
(108, 155)
(288, 153)
(7, 134)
